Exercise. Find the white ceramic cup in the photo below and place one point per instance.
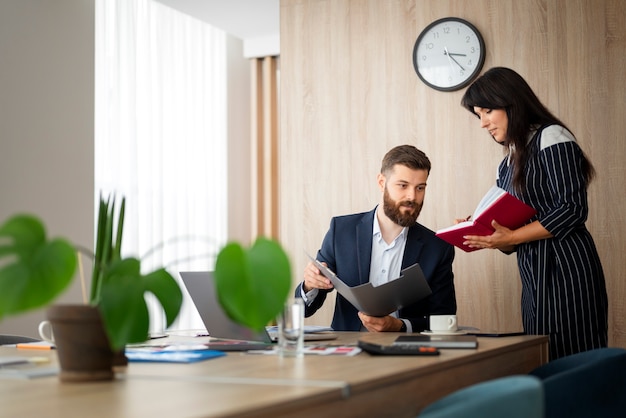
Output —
(43, 326)
(443, 323)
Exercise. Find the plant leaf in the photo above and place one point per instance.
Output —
(165, 288)
(122, 303)
(253, 284)
(100, 244)
(33, 270)
(117, 245)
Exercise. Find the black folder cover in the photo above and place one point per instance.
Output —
(382, 300)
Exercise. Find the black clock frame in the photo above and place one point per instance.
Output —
(474, 73)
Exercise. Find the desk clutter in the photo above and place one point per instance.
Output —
(191, 352)
(172, 354)
(319, 350)
(26, 367)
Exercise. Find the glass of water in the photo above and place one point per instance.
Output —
(291, 329)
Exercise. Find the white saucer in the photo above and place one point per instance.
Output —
(460, 332)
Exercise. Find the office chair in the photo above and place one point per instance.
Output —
(518, 396)
(7, 339)
(587, 384)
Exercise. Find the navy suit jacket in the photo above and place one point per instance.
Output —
(347, 249)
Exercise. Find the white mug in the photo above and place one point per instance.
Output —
(42, 331)
(443, 323)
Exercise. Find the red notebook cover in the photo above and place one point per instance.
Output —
(496, 205)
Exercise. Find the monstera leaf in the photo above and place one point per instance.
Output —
(33, 269)
(253, 284)
(122, 304)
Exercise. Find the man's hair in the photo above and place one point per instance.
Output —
(406, 155)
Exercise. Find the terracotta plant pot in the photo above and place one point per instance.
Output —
(82, 345)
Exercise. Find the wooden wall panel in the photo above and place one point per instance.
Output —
(349, 93)
(264, 144)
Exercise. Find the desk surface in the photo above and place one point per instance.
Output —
(240, 384)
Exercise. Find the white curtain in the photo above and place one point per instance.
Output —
(161, 135)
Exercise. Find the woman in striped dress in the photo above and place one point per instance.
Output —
(563, 287)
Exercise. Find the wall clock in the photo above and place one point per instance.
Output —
(448, 54)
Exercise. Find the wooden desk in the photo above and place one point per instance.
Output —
(262, 385)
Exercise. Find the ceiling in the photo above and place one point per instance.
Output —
(243, 19)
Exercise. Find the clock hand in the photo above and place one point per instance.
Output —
(458, 55)
(453, 59)
(445, 52)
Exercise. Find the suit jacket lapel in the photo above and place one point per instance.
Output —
(413, 248)
(364, 231)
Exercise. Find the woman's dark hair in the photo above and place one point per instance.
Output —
(503, 88)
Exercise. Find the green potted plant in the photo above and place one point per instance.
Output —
(252, 283)
(118, 286)
(36, 270)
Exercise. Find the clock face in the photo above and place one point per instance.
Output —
(448, 54)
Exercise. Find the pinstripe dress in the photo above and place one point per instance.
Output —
(563, 288)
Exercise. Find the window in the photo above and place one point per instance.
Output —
(161, 135)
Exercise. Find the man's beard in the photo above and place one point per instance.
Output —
(393, 212)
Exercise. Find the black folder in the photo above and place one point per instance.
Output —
(382, 300)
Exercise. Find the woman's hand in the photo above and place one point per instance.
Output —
(501, 239)
(505, 239)
(459, 220)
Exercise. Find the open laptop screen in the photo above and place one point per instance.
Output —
(201, 288)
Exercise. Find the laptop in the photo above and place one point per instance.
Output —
(230, 335)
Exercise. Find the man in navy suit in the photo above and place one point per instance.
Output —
(375, 246)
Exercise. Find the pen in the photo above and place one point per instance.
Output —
(31, 346)
(468, 218)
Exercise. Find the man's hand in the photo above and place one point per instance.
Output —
(380, 324)
(313, 279)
